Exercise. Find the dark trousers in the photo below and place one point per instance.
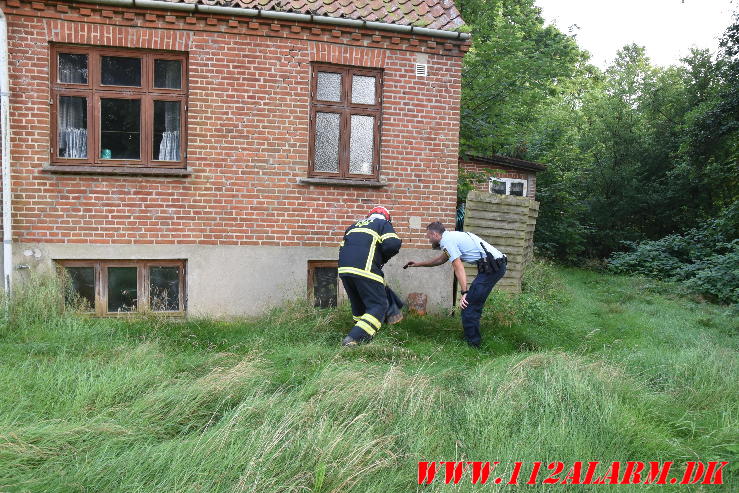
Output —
(395, 304)
(476, 296)
(369, 305)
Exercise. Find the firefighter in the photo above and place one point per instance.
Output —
(458, 247)
(367, 245)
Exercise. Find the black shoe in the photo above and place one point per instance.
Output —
(349, 342)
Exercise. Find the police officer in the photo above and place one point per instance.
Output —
(458, 247)
(367, 245)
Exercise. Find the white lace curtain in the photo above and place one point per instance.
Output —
(169, 147)
(72, 127)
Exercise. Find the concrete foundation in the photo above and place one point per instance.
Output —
(229, 281)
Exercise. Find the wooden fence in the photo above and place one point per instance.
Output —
(507, 222)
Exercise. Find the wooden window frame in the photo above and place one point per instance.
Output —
(345, 108)
(312, 265)
(94, 91)
(142, 284)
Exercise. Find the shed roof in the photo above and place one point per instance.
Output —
(509, 162)
(431, 14)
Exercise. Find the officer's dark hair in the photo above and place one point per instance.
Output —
(436, 227)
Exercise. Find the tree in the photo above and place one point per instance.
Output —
(634, 152)
(514, 66)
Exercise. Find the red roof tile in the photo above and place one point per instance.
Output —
(432, 14)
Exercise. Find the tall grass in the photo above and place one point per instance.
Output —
(581, 366)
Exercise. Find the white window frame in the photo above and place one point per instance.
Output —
(508, 182)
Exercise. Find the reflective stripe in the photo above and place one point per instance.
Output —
(370, 232)
(370, 256)
(356, 318)
(342, 243)
(365, 327)
(371, 319)
(388, 235)
(360, 272)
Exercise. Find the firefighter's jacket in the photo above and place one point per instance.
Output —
(367, 245)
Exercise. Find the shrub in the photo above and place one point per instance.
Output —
(705, 259)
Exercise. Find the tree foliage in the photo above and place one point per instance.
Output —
(635, 152)
(513, 68)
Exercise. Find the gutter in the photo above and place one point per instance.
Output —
(5, 124)
(286, 16)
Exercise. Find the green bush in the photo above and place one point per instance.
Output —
(717, 276)
(705, 259)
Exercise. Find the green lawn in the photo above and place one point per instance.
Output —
(581, 367)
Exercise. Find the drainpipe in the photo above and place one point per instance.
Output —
(5, 124)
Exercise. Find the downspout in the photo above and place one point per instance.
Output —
(5, 124)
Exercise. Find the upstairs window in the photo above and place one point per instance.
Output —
(114, 107)
(345, 122)
(508, 186)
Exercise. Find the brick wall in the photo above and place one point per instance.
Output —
(247, 132)
(500, 172)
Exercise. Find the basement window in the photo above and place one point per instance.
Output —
(112, 287)
(508, 186)
(323, 285)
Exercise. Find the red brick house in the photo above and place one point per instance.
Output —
(205, 156)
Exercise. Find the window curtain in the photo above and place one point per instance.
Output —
(72, 127)
(169, 147)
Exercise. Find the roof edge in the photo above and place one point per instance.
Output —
(288, 16)
(511, 162)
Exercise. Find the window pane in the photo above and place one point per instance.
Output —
(72, 127)
(363, 89)
(72, 68)
(166, 131)
(167, 74)
(122, 294)
(517, 189)
(327, 142)
(120, 128)
(82, 287)
(361, 144)
(120, 71)
(329, 87)
(164, 288)
(497, 186)
(324, 286)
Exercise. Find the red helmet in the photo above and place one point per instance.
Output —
(380, 210)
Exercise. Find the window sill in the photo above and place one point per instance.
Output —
(116, 170)
(342, 183)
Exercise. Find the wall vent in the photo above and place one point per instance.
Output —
(422, 70)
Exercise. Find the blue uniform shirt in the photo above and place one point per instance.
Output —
(458, 244)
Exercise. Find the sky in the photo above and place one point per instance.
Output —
(667, 28)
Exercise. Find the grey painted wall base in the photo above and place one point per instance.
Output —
(227, 281)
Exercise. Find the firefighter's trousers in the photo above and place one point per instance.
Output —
(369, 305)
